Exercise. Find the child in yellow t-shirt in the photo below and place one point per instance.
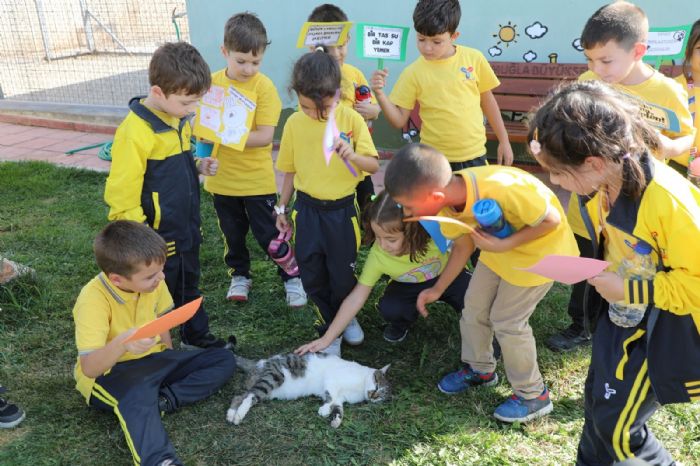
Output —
(140, 379)
(351, 79)
(244, 187)
(501, 296)
(325, 216)
(614, 42)
(452, 84)
(689, 78)
(404, 252)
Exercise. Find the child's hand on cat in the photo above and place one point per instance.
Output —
(314, 347)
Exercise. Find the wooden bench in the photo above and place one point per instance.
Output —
(523, 87)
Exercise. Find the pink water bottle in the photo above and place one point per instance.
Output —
(283, 254)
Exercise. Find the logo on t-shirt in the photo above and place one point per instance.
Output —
(428, 270)
(347, 137)
(467, 72)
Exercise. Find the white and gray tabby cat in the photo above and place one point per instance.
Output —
(288, 377)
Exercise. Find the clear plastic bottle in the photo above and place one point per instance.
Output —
(639, 267)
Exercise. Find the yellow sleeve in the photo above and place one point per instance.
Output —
(91, 315)
(269, 105)
(525, 203)
(125, 181)
(678, 289)
(370, 271)
(486, 79)
(677, 100)
(165, 300)
(285, 158)
(405, 92)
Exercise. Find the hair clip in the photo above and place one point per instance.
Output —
(373, 197)
(626, 156)
(319, 48)
(535, 146)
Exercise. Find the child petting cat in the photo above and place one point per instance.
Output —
(404, 252)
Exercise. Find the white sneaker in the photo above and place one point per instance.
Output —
(296, 296)
(239, 288)
(334, 348)
(353, 334)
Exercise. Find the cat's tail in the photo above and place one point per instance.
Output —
(245, 364)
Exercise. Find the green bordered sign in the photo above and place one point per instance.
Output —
(667, 43)
(382, 41)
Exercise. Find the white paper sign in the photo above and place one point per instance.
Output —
(382, 42)
(665, 43)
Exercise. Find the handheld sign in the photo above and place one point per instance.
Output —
(667, 43)
(382, 42)
(331, 34)
(166, 321)
(225, 116)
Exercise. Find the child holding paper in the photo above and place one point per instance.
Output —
(244, 188)
(500, 297)
(452, 84)
(588, 135)
(351, 79)
(137, 380)
(325, 214)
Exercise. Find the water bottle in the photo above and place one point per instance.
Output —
(362, 94)
(490, 218)
(283, 254)
(639, 267)
(203, 149)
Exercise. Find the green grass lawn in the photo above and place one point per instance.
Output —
(48, 218)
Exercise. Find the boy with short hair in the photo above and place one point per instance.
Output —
(452, 84)
(244, 188)
(501, 296)
(154, 179)
(614, 42)
(137, 380)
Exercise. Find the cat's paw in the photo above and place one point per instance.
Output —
(336, 419)
(324, 410)
(231, 416)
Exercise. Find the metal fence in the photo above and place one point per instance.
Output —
(83, 51)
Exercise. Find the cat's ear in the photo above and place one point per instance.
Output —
(384, 369)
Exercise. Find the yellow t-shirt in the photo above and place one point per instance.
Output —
(400, 268)
(351, 78)
(301, 152)
(449, 93)
(248, 172)
(525, 200)
(103, 311)
(693, 97)
(658, 90)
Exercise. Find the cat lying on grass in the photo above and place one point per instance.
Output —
(288, 377)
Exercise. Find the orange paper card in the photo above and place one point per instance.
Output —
(166, 321)
(437, 218)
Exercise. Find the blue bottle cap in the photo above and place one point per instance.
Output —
(487, 212)
(642, 247)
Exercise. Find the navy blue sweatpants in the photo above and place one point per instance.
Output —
(131, 391)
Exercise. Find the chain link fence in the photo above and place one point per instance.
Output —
(83, 51)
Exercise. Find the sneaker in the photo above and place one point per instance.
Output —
(568, 339)
(334, 348)
(394, 334)
(165, 406)
(296, 296)
(209, 341)
(353, 334)
(10, 414)
(239, 288)
(517, 409)
(461, 380)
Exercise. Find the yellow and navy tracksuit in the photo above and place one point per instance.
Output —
(154, 179)
(633, 370)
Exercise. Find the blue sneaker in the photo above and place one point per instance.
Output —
(459, 381)
(517, 409)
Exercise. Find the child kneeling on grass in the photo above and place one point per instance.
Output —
(138, 380)
(500, 298)
(404, 252)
